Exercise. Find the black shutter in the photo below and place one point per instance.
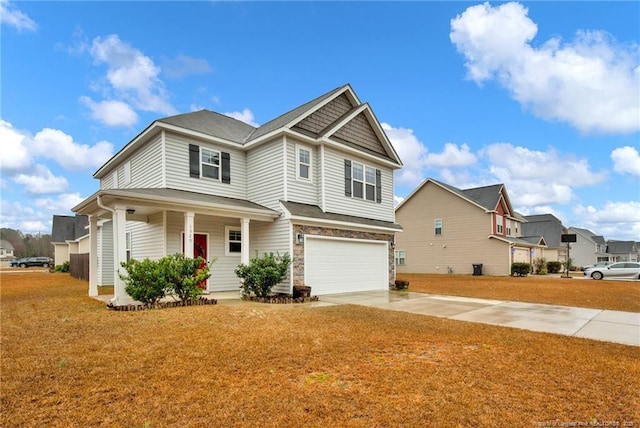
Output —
(378, 186)
(226, 167)
(194, 161)
(347, 177)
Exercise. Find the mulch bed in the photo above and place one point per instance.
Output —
(69, 362)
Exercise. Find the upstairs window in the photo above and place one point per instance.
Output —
(362, 181)
(508, 227)
(304, 163)
(437, 227)
(210, 163)
(499, 226)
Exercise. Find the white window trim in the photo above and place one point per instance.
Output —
(298, 163)
(499, 224)
(228, 229)
(219, 166)
(398, 258)
(127, 244)
(435, 228)
(363, 181)
(114, 179)
(127, 173)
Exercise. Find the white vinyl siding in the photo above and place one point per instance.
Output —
(337, 202)
(147, 238)
(106, 266)
(265, 176)
(177, 169)
(302, 191)
(142, 170)
(267, 237)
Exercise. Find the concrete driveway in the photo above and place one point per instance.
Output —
(596, 324)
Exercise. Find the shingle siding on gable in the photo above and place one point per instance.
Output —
(322, 118)
(359, 132)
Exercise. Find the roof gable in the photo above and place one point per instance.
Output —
(68, 228)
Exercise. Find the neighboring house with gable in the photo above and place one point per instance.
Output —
(69, 235)
(622, 251)
(316, 182)
(6, 250)
(551, 229)
(449, 230)
(588, 249)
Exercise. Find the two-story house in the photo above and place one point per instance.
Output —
(449, 230)
(622, 251)
(588, 249)
(316, 182)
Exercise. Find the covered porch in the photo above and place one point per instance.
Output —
(153, 223)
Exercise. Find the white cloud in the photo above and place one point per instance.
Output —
(626, 160)
(538, 178)
(55, 144)
(451, 156)
(411, 151)
(40, 180)
(615, 220)
(184, 65)
(111, 113)
(60, 204)
(24, 218)
(132, 76)
(245, 116)
(13, 17)
(565, 81)
(397, 200)
(14, 155)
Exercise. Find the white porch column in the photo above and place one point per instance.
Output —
(93, 255)
(119, 251)
(244, 236)
(188, 234)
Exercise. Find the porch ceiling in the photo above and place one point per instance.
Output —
(149, 201)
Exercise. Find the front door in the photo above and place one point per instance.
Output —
(199, 250)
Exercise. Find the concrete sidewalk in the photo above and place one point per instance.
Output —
(596, 324)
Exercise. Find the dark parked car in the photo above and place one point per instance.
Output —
(615, 270)
(33, 261)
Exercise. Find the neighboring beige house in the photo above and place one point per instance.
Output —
(449, 230)
(588, 249)
(551, 229)
(69, 235)
(316, 182)
(6, 250)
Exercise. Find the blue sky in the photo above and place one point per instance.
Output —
(541, 96)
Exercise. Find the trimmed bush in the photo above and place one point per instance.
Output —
(263, 273)
(520, 269)
(185, 275)
(554, 267)
(145, 281)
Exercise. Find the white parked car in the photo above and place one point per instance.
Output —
(615, 270)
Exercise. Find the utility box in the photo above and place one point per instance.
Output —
(477, 269)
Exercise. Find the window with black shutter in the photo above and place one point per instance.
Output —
(362, 181)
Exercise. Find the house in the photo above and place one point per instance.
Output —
(449, 230)
(551, 229)
(622, 251)
(69, 235)
(588, 249)
(315, 182)
(6, 250)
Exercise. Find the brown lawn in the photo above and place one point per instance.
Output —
(67, 361)
(587, 293)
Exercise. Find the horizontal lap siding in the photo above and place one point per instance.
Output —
(177, 169)
(265, 175)
(147, 239)
(106, 266)
(222, 271)
(273, 237)
(464, 240)
(303, 191)
(146, 166)
(337, 202)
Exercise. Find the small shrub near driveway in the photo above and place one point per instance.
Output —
(263, 273)
(520, 269)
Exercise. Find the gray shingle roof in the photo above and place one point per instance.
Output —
(314, 212)
(68, 228)
(621, 247)
(485, 196)
(6, 245)
(546, 225)
(212, 123)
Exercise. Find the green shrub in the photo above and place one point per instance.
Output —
(64, 267)
(554, 267)
(145, 281)
(520, 269)
(148, 281)
(184, 275)
(263, 273)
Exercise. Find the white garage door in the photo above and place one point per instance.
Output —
(343, 265)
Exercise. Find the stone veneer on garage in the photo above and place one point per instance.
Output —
(298, 250)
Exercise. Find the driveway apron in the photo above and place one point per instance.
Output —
(596, 324)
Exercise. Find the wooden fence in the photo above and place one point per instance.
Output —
(79, 266)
